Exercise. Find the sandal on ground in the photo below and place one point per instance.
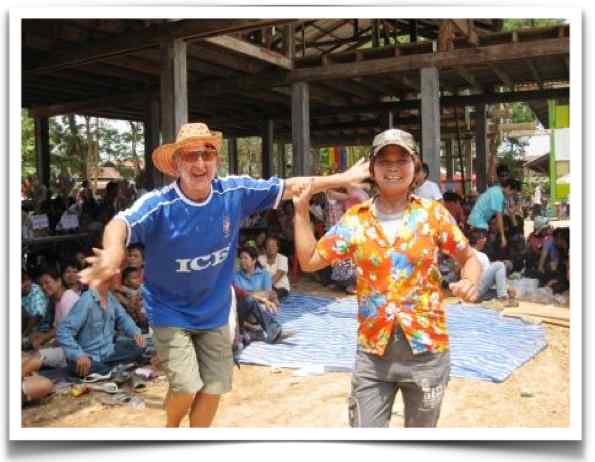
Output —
(95, 377)
(285, 334)
(138, 384)
(108, 387)
(121, 377)
(115, 400)
(508, 302)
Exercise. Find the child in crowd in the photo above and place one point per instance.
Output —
(132, 297)
(136, 258)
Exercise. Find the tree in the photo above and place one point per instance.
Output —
(27, 144)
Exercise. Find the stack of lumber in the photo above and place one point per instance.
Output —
(536, 314)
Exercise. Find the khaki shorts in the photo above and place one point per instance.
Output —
(195, 360)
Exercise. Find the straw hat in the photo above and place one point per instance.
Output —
(189, 135)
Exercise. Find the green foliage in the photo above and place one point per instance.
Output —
(515, 24)
(27, 144)
(521, 112)
(69, 148)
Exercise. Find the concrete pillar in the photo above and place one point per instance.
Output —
(468, 165)
(300, 128)
(42, 149)
(450, 165)
(481, 147)
(232, 150)
(151, 133)
(430, 121)
(174, 89)
(267, 149)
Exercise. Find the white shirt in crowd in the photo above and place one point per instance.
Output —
(280, 264)
(484, 260)
(429, 190)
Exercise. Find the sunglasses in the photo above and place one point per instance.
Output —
(208, 153)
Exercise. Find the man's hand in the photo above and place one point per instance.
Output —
(464, 289)
(503, 243)
(140, 340)
(83, 366)
(103, 266)
(301, 201)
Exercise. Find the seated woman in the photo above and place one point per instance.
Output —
(277, 266)
(553, 270)
(63, 300)
(540, 237)
(257, 302)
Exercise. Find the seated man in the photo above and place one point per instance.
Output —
(34, 386)
(277, 266)
(34, 307)
(87, 333)
(491, 272)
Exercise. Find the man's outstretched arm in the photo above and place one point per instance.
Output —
(352, 177)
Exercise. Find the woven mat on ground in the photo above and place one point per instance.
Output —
(483, 345)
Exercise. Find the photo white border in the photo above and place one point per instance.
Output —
(573, 432)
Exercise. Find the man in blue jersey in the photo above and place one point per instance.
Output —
(190, 231)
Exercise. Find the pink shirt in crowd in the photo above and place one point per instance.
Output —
(64, 305)
(356, 196)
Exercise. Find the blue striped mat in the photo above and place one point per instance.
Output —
(483, 345)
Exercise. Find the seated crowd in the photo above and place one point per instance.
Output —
(83, 331)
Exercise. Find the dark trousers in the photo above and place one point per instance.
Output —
(125, 351)
(250, 310)
(282, 293)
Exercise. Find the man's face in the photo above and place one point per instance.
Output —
(272, 247)
(70, 275)
(25, 285)
(197, 166)
(135, 258)
(394, 170)
(133, 280)
(508, 192)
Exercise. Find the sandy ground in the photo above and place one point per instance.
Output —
(536, 395)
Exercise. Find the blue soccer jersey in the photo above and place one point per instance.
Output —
(190, 247)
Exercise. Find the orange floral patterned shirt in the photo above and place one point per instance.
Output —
(399, 281)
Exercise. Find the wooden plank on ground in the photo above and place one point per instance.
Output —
(543, 311)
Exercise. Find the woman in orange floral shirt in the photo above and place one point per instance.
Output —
(394, 240)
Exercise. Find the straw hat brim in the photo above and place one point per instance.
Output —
(163, 156)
